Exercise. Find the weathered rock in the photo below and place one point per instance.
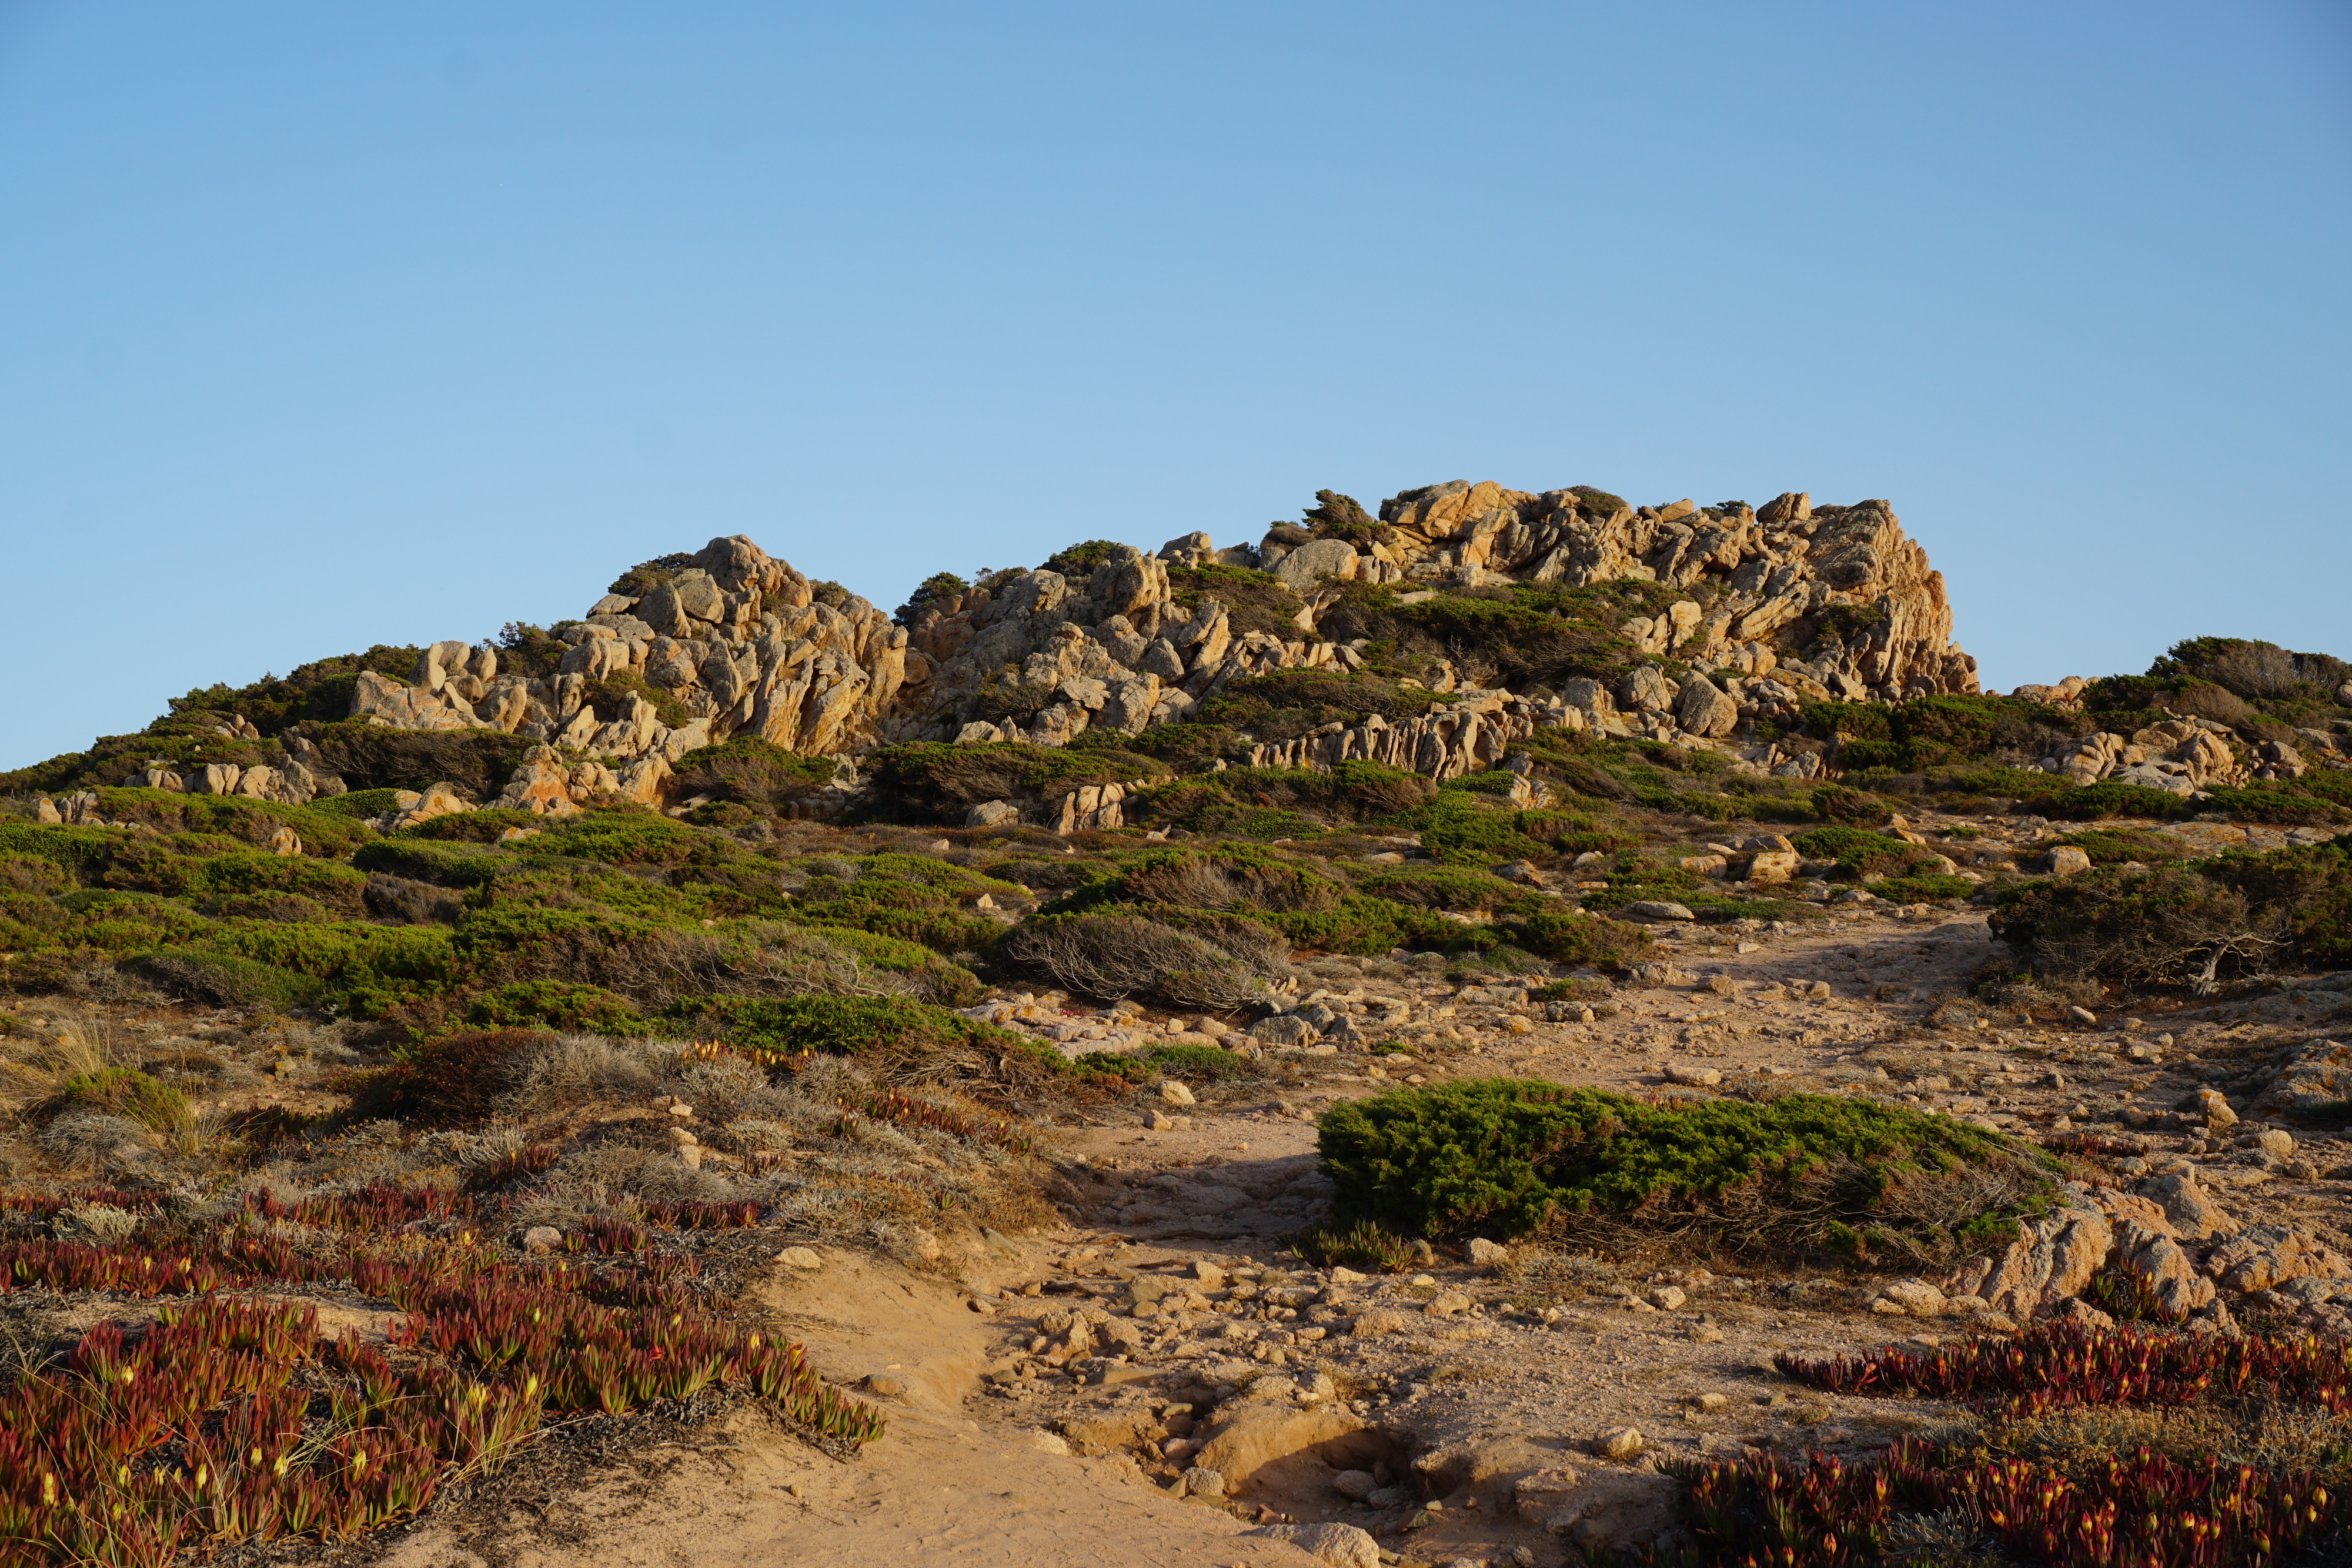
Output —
(2053, 1259)
(2188, 1207)
(1342, 1545)
(2210, 1105)
(542, 1238)
(1655, 909)
(1917, 1298)
(2065, 860)
(2155, 1262)
(1691, 1073)
(1485, 1254)
(800, 1258)
(2266, 1255)
(2316, 1076)
(1618, 1443)
(1283, 1029)
(1704, 709)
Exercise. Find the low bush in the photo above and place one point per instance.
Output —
(450, 863)
(126, 1093)
(556, 1005)
(1112, 956)
(2186, 924)
(894, 1039)
(1807, 1173)
(1197, 1062)
(1571, 937)
(459, 1078)
(226, 979)
(750, 770)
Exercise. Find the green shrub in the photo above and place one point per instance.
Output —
(81, 853)
(1361, 924)
(1197, 1062)
(228, 979)
(128, 1092)
(882, 1027)
(1571, 937)
(2284, 805)
(556, 1005)
(2193, 923)
(1459, 888)
(366, 969)
(449, 863)
(358, 803)
(1461, 827)
(750, 770)
(1510, 1157)
(1079, 561)
(621, 836)
(477, 827)
(1835, 843)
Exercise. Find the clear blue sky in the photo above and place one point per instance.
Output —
(323, 325)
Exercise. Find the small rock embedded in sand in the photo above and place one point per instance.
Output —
(1157, 1120)
(1175, 1093)
(1485, 1254)
(542, 1238)
(1356, 1484)
(1342, 1545)
(1202, 1481)
(1712, 1404)
(800, 1258)
(1668, 1298)
(681, 1137)
(1698, 1077)
(1915, 1297)
(1049, 1442)
(1619, 1443)
(680, 1108)
(887, 1387)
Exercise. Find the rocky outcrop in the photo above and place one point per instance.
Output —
(2179, 755)
(1772, 567)
(745, 647)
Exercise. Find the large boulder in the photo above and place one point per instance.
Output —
(1704, 708)
(1303, 568)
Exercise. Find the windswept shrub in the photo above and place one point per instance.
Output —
(2193, 925)
(1804, 1172)
(228, 979)
(558, 1005)
(894, 1039)
(1115, 955)
(753, 771)
(460, 1078)
(555, 1074)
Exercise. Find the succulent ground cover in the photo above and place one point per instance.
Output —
(228, 1414)
(2166, 1449)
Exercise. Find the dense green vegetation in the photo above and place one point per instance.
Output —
(1504, 1158)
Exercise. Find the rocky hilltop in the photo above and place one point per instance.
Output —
(1684, 622)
